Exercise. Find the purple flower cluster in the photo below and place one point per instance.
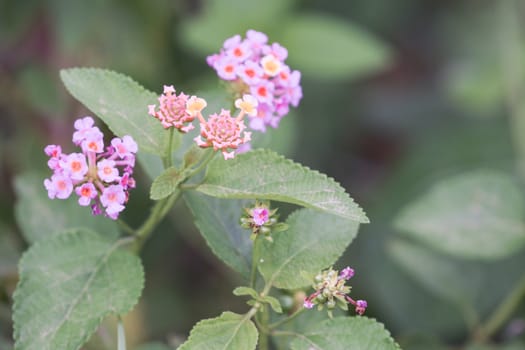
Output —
(100, 178)
(257, 68)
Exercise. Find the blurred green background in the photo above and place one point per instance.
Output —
(398, 95)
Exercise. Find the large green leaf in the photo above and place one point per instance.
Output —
(218, 222)
(441, 275)
(328, 48)
(343, 333)
(474, 215)
(229, 331)
(68, 284)
(120, 102)
(314, 241)
(217, 22)
(264, 174)
(40, 217)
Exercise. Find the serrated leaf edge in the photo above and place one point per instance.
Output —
(64, 236)
(360, 217)
(197, 223)
(277, 271)
(369, 320)
(245, 318)
(142, 89)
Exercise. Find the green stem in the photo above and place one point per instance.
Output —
(206, 159)
(263, 326)
(502, 313)
(286, 319)
(126, 228)
(121, 335)
(167, 160)
(513, 75)
(159, 210)
(255, 260)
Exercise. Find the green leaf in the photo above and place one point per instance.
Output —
(68, 284)
(218, 222)
(217, 22)
(474, 215)
(264, 174)
(274, 303)
(40, 217)
(121, 103)
(166, 183)
(440, 275)
(239, 291)
(328, 48)
(228, 331)
(313, 242)
(343, 333)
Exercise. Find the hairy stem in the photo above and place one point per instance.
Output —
(513, 75)
(167, 160)
(502, 313)
(286, 319)
(255, 260)
(158, 212)
(206, 159)
(121, 335)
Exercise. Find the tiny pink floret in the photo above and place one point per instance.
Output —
(260, 216)
(308, 304)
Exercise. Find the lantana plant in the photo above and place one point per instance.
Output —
(72, 279)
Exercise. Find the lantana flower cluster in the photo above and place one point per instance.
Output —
(260, 219)
(331, 290)
(221, 131)
(101, 178)
(253, 66)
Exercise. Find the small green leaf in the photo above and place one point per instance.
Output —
(166, 183)
(328, 48)
(474, 215)
(314, 241)
(228, 331)
(245, 291)
(68, 284)
(274, 303)
(121, 103)
(343, 333)
(218, 222)
(40, 217)
(264, 174)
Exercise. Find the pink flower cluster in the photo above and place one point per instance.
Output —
(222, 131)
(257, 68)
(172, 110)
(100, 178)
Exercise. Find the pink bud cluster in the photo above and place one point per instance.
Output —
(255, 67)
(172, 110)
(100, 178)
(222, 131)
(330, 290)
